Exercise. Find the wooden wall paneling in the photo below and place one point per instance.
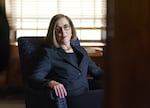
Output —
(127, 78)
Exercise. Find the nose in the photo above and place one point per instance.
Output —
(63, 30)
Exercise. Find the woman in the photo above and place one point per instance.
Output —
(63, 67)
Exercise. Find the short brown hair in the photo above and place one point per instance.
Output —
(51, 37)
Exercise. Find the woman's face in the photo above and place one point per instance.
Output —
(63, 31)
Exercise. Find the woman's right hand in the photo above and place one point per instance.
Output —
(59, 88)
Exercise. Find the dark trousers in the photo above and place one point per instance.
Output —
(90, 99)
(60, 102)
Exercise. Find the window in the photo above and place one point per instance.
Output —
(32, 17)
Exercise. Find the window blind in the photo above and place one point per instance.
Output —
(32, 17)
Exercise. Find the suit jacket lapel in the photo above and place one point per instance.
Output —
(62, 53)
(82, 62)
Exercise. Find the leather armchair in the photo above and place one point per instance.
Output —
(29, 48)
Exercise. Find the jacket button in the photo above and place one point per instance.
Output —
(79, 73)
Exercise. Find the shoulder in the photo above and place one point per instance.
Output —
(50, 50)
(80, 48)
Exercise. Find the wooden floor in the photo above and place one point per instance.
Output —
(12, 104)
(12, 100)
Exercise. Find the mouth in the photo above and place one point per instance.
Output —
(64, 37)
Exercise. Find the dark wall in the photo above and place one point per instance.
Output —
(127, 78)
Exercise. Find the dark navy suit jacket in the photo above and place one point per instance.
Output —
(54, 64)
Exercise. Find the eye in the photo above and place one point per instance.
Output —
(66, 27)
(58, 29)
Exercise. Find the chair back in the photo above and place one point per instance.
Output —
(29, 48)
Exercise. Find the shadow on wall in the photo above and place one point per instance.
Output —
(4, 47)
(4, 40)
